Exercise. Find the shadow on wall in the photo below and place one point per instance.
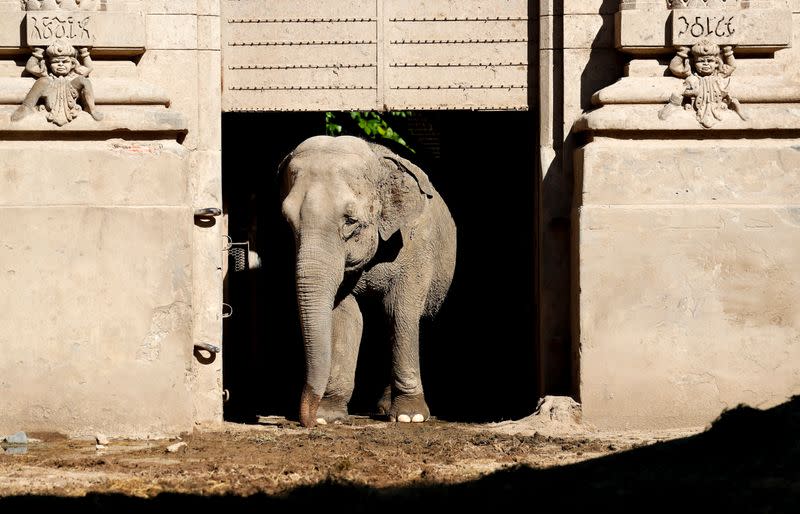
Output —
(600, 65)
(749, 461)
(479, 355)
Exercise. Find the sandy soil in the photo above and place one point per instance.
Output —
(375, 464)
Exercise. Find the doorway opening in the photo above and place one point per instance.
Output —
(479, 355)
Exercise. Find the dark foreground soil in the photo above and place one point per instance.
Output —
(748, 461)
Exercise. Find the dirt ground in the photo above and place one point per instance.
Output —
(370, 464)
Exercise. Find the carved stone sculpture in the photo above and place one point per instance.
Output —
(702, 4)
(62, 85)
(707, 70)
(60, 5)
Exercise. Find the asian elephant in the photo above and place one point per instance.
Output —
(367, 223)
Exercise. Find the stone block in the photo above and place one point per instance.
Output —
(206, 372)
(208, 7)
(173, 6)
(123, 32)
(171, 32)
(688, 261)
(176, 72)
(114, 172)
(653, 31)
(209, 85)
(208, 32)
(579, 31)
(97, 335)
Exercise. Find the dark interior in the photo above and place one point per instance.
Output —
(479, 355)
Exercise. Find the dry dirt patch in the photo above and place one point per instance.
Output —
(278, 455)
(748, 461)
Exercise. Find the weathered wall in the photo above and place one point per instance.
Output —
(689, 260)
(107, 281)
(96, 315)
(576, 58)
(686, 235)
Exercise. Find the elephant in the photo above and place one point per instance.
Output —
(367, 223)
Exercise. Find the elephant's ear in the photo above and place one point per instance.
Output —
(284, 163)
(283, 180)
(404, 193)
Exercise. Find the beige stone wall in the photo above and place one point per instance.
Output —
(688, 265)
(108, 282)
(577, 58)
(96, 315)
(686, 241)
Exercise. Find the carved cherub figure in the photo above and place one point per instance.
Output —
(64, 5)
(705, 90)
(62, 81)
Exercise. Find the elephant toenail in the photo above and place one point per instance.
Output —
(418, 418)
(321, 421)
(403, 418)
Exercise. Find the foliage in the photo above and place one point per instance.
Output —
(369, 124)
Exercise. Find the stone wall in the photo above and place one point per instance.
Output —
(577, 57)
(108, 283)
(685, 225)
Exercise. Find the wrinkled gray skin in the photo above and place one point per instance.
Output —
(352, 206)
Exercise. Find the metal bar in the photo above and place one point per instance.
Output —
(455, 41)
(300, 20)
(525, 18)
(453, 64)
(298, 43)
(490, 86)
(297, 88)
(298, 66)
(213, 348)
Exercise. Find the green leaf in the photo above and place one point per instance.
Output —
(371, 124)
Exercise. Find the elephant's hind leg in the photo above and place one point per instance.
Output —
(347, 328)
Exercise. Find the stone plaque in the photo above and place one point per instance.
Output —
(692, 25)
(43, 28)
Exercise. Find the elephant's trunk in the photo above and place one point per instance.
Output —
(319, 275)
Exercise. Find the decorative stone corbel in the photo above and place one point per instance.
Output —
(62, 88)
(66, 5)
(707, 70)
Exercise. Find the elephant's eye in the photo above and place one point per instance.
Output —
(351, 227)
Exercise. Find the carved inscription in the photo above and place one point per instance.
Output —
(45, 28)
(690, 26)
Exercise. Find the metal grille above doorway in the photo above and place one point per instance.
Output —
(290, 55)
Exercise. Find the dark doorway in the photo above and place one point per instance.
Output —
(479, 355)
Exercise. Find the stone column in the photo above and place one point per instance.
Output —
(687, 232)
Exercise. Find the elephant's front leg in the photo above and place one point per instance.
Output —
(348, 325)
(408, 400)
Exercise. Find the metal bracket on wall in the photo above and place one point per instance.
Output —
(239, 252)
(213, 348)
(206, 217)
(207, 212)
(229, 312)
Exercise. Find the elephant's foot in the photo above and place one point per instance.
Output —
(331, 409)
(385, 403)
(408, 408)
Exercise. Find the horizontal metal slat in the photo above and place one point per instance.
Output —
(299, 32)
(298, 9)
(415, 9)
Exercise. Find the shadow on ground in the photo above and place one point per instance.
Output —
(749, 461)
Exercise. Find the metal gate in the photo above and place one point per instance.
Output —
(306, 55)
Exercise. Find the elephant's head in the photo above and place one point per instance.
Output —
(342, 197)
